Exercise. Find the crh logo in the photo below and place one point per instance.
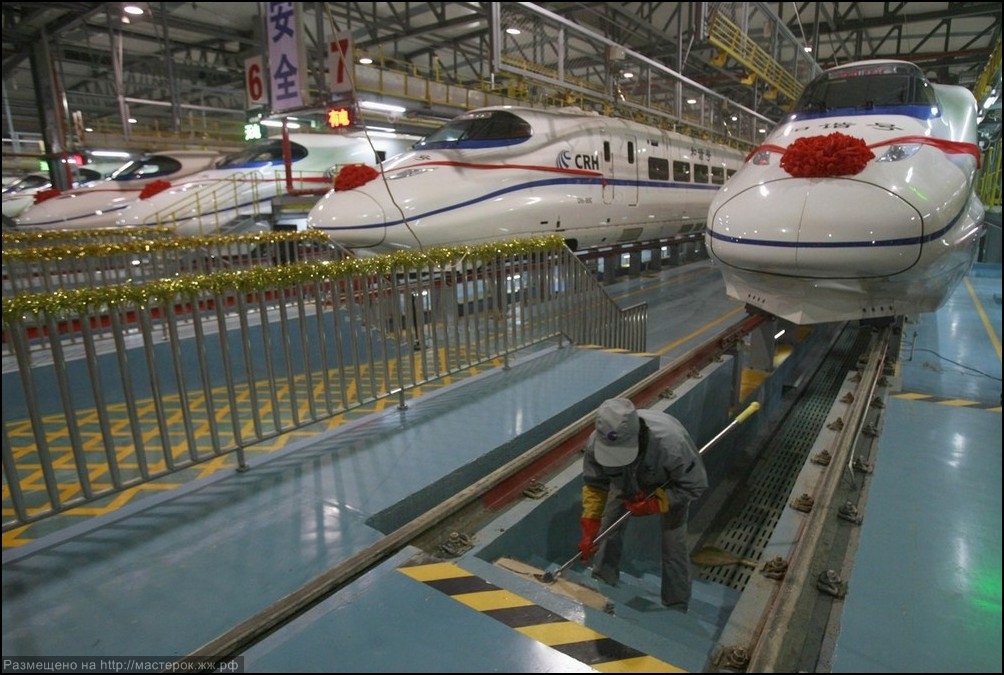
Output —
(567, 160)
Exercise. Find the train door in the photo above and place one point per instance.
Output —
(633, 160)
(608, 167)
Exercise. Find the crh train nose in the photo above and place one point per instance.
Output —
(812, 228)
(365, 227)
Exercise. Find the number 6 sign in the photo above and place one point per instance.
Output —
(254, 82)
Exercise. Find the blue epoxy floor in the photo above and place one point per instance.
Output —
(168, 575)
(925, 591)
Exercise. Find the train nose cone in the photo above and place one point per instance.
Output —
(814, 228)
(351, 218)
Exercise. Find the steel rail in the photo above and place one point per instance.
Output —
(561, 444)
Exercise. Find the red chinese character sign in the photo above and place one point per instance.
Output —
(340, 118)
(287, 63)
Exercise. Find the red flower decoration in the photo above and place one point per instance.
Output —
(153, 187)
(836, 154)
(353, 175)
(42, 195)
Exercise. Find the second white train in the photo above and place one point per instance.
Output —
(503, 173)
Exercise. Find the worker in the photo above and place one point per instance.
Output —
(645, 462)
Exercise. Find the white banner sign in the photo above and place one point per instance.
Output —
(287, 64)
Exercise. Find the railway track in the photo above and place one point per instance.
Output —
(484, 500)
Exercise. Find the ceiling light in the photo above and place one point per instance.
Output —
(691, 101)
(365, 60)
(278, 123)
(382, 107)
(513, 31)
(133, 9)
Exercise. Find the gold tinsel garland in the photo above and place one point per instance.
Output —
(135, 246)
(24, 236)
(166, 291)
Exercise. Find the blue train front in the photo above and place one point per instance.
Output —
(859, 205)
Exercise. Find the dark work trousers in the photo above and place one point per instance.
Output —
(676, 576)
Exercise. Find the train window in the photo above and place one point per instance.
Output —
(658, 168)
(83, 175)
(33, 181)
(261, 153)
(700, 173)
(718, 175)
(865, 87)
(681, 172)
(729, 173)
(606, 151)
(148, 167)
(630, 152)
(480, 129)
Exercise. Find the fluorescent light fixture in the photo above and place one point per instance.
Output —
(278, 123)
(779, 334)
(365, 60)
(382, 107)
(110, 153)
(133, 9)
(691, 101)
(388, 129)
(133, 120)
(513, 31)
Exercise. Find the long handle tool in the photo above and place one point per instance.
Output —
(549, 576)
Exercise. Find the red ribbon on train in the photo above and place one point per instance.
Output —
(153, 187)
(354, 175)
(43, 195)
(835, 154)
(838, 154)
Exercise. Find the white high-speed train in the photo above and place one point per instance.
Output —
(97, 204)
(22, 193)
(508, 172)
(860, 205)
(242, 185)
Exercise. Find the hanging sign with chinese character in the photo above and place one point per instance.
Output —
(287, 63)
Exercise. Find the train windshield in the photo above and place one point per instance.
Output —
(261, 154)
(148, 167)
(867, 87)
(479, 129)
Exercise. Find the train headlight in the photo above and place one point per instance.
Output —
(414, 171)
(899, 152)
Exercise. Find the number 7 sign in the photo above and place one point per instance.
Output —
(340, 63)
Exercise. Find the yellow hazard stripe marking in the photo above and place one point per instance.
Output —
(535, 622)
